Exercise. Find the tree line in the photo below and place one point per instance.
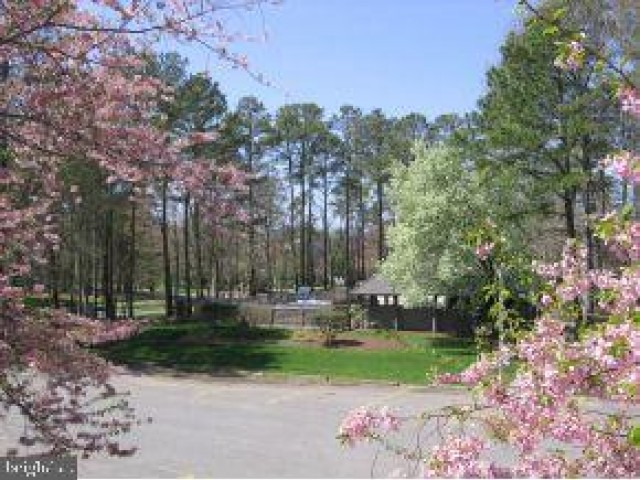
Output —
(316, 206)
(313, 210)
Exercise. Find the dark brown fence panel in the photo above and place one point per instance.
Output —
(423, 319)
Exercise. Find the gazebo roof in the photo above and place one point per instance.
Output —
(376, 285)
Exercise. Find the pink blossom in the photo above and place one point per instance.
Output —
(459, 457)
(364, 423)
(542, 466)
(624, 164)
(87, 98)
(630, 100)
(565, 407)
(546, 300)
(484, 250)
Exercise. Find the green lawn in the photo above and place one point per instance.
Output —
(149, 308)
(200, 347)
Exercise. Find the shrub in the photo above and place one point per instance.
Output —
(331, 322)
(217, 311)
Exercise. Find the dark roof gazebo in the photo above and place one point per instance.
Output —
(375, 288)
(385, 308)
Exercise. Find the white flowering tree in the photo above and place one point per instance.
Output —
(439, 199)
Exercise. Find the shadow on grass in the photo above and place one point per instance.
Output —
(198, 347)
(201, 332)
(449, 343)
(214, 359)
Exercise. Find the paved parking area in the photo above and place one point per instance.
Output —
(231, 429)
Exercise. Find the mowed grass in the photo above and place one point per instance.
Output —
(149, 308)
(202, 347)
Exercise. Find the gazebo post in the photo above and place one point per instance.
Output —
(434, 327)
(396, 309)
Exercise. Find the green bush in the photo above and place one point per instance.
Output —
(37, 302)
(332, 322)
(217, 311)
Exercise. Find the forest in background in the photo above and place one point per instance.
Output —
(317, 202)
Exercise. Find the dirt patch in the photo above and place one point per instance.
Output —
(361, 343)
(375, 343)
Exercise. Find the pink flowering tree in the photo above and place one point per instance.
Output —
(549, 404)
(74, 89)
(546, 405)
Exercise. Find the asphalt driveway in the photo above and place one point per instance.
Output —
(215, 428)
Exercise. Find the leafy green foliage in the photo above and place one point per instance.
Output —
(634, 435)
(550, 125)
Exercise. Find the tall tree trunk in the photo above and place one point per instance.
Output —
(109, 298)
(253, 286)
(236, 269)
(94, 258)
(187, 259)
(347, 231)
(55, 278)
(176, 252)
(86, 276)
(292, 232)
(310, 264)
(84, 264)
(303, 203)
(590, 207)
(77, 291)
(215, 268)
(325, 227)
(569, 200)
(209, 283)
(166, 260)
(79, 264)
(112, 265)
(605, 203)
(361, 214)
(72, 247)
(380, 197)
(590, 204)
(198, 247)
(268, 254)
(253, 276)
(132, 261)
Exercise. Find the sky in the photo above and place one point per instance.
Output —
(402, 56)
